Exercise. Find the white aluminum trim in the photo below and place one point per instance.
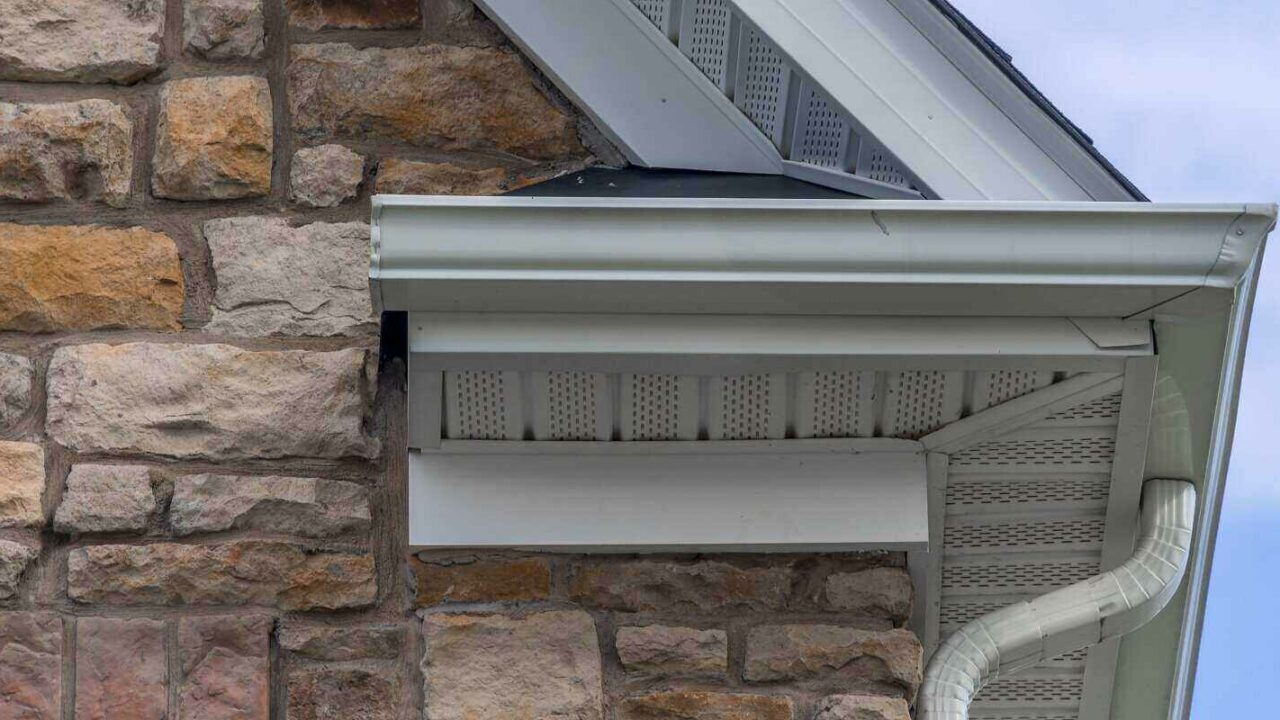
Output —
(658, 254)
(669, 502)
(1224, 421)
(798, 335)
(992, 82)
(1123, 503)
(641, 92)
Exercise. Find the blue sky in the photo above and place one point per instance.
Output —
(1184, 97)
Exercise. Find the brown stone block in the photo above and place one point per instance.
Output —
(709, 585)
(121, 672)
(440, 96)
(882, 592)
(248, 572)
(705, 706)
(333, 693)
(354, 14)
(662, 651)
(30, 666)
(851, 657)
(343, 643)
(862, 707)
(226, 668)
(85, 277)
(482, 580)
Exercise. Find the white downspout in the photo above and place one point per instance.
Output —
(1105, 606)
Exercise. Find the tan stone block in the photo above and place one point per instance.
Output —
(705, 706)
(274, 279)
(14, 559)
(65, 151)
(80, 40)
(86, 277)
(499, 668)
(308, 507)
(440, 96)
(210, 401)
(325, 176)
(482, 580)
(247, 572)
(22, 481)
(121, 672)
(214, 139)
(410, 177)
(106, 498)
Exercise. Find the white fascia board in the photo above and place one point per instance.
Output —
(804, 257)
(637, 87)
(742, 344)
(883, 71)
(1047, 134)
(718, 499)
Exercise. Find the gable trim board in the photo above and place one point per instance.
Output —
(908, 85)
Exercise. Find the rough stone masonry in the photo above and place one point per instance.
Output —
(200, 475)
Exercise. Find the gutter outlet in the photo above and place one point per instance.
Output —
(1109, 605)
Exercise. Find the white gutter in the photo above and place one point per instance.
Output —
(1078, 616)
(803, 257)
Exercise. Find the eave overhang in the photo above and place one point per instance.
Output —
(1085, 291)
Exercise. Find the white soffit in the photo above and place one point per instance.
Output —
(805, 257)
(726, 499)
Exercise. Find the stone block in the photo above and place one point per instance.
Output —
(224, 29)
(500, 668)
(325, 176)
(703, 586)
(21, 484)
(481, 580)
(662, 651)
(338, 644)
(16, 374)
(225, 667)
(210, 401)
(80, 40)
(862, 707)
(851, 657)
(687, 705)
(274, 279)
(14, 559)
(246, 572)
(881, 592)
(86, 277)
(106, 498)
(307, 507)
(30, 666)
(214, 139)
(121, 671)
(353, 14)
(439, 96)
(80, 150)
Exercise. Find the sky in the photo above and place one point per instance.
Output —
(1184, 97)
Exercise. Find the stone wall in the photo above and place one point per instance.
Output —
(201, 447)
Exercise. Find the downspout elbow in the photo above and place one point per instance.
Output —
(1109, 605)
